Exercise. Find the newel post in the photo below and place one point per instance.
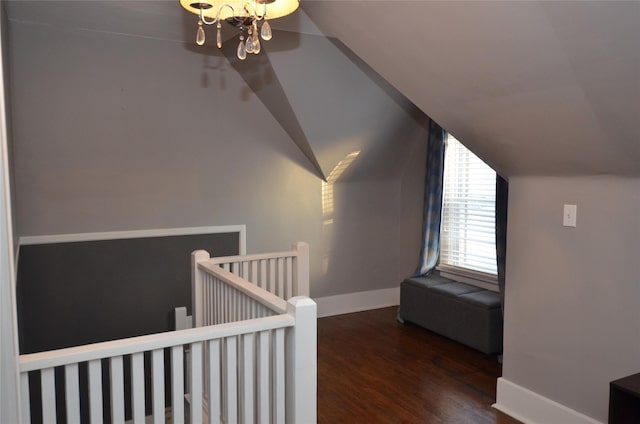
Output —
(302, 269)
(196, 285)
(301, 362)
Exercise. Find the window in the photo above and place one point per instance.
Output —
(467, 232)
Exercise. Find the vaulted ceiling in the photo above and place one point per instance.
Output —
(533, 87)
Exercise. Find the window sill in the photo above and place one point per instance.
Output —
(478, 279)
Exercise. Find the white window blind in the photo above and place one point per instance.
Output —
(467, 232)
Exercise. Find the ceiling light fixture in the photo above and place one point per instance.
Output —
(242, 14)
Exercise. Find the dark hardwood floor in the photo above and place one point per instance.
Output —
(372, 369)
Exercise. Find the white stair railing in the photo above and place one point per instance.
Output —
(285, 274)
(257, 365)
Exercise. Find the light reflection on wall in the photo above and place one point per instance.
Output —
(327, 187)
(328, 200)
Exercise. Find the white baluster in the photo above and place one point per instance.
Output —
(255, 279)
(264, 283)
(196, 383)
(290, 290)
(212, 301)
(95, 391)
(245, 270)
(238, 300)
(25, 398)
(214, 382)
(281, 289)
(177, 384)
(221, 303)
(218, 303)
(137, 387)
(223, 380)
(247, 379)
(263, 378)
(72, 393)
(272, 277)
(48, 389)
(229, 304)
(116, 376)
(295, 283)
(279, 389)
(232, 381)
(157, 384)
(206, 302)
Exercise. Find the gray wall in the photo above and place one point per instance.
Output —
(116, 132)
(572, 320)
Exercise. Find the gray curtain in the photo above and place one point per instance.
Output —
(432, 200)
(502, 201)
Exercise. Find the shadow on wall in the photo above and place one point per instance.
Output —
(368, 120)
(262, 81)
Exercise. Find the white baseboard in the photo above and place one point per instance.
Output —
(357, 302)
(532, 408)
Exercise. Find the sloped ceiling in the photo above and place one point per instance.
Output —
(533, 87)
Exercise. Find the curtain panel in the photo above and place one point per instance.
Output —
(502, 201)
(430, 249)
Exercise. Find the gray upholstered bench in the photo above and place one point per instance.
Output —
(461, 312)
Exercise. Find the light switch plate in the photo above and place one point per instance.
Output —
(569, 215)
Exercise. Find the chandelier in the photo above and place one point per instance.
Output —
(244, 15)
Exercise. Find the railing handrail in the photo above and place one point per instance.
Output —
(71, 355)
(259, 294)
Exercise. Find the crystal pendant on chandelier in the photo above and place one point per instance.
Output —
(218, 36)
(265, 31)
(255, 40)
(200, 34)
(249, 47)
(242, 49)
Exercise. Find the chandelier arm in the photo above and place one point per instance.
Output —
(255, 12)
(204, 19)
(217, 18)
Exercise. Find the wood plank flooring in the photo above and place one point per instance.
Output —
(372, 369)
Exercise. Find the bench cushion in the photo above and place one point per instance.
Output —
(427, 281)
(455, 289)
